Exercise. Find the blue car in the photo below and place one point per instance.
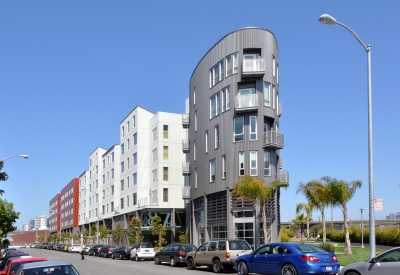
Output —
(288, 259)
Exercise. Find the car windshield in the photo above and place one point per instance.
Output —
(309, 249)
(238, 245)
(146, 245)
(52, 270)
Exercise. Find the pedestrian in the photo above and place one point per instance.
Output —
(83, 246)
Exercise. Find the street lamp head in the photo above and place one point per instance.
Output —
(327, 19)
(24, 156)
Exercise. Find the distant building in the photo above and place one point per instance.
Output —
(393, 216)
(40, 222)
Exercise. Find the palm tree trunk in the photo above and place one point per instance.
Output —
(264, 217)
(347, 246)
(323, 227)
(308, 229)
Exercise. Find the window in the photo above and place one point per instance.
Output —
(104, 163)
(154, 154)
(194, 96)
(241, 164)
(215, 105)
(135, 178)
(134, 158)
(228, 62)
(195, 121)
(103, 209)
(273, 65)
(216, 136)
(112, 173)
(206, 142)
(128, 162)
(195, 178)
(112, 190)
(97, 169)
(127, 126)
(277, 74)
(253, 163)
(155, 134)
(97, 184)
(123, 131)
(273, 97)
(122, 149)
(127, 179)
(128, 143)
(134, 121)
(165, 131)
(223, 167)
(122, 185)
(217, 73)
(122, 203)
(165, 152)
(104, 179)
(165, 173)
(112, 157)
(267, 164)
(134, 198)
(134, 139)
(266, 95)
(225, 99)
(104, 194)
(235, 63)
(155, 177)
(165, 194)
(212, 170)
(194, 150)
(127, 201)
(112, 206)
(253, 128)
(239, 129)
(90, 162)
(122, 167)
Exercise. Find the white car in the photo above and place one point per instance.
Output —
(74, 248)
(142, 251)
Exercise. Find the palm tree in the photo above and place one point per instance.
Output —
(341, 193)
(257, 191)
(308, 207)
(317, 193)
(299, 220)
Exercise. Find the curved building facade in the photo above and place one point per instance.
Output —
(233, 123)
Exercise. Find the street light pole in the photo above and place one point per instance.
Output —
(22, 156)
(362, 230)
(327, 19)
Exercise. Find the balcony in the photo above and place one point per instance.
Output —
(273, 140)
(186, 192)
(244, 103)
(280, 109)
(284, 176)
(185, 146)
(185, 120)
(186, 168)
(253, 67)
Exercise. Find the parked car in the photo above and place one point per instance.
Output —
(35, 245)
(95, 249)
(50, 267)
(218, 255)
(6, 250)
(288, 258)
(15, 263)
(44, 245)
(142, 251)
(22, 245)
(387, 262)
(87, 247)
(9, 257)
(121, 252)
(106, 251)
(74, 248)
(174, 253)
(60, 247)
(65, 248)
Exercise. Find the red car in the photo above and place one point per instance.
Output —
(14, 264)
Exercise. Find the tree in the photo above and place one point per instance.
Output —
(7, 218)
(85, 235)
(135, 233)
(158, 230)
(184, 238)
(93, 232)
(76, 237)
(63, 237)
(257, 191)
(317, 193)
(117, 233)
(41, 238)
(341, 193)
(308, 207)
(299, 220)
(103, 232)
(3, 175)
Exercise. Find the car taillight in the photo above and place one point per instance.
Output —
(127, 251)
(228, 255)
(310, 259)
(182, 253)
(334, 259)
(98, 249)
(109, 250)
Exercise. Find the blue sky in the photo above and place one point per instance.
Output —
(70, 71)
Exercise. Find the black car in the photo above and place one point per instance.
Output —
(60, 247)
(9, 257)
(174, 253)
(95, 249)
(106, 251)
(122, 252)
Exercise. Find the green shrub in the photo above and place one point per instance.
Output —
(330, 248)
(284, 234)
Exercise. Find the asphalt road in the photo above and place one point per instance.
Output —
(101, 266)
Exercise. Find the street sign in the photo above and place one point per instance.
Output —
(378, 205)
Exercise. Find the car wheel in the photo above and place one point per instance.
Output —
(352, 272)
(156, 261)
(242, 268)
(136, 258)
(112, 256)
(288, 269)
(217, 268)
(190, 264)
(131, 258)
(172, 262)
(105, 255)
(120, 256)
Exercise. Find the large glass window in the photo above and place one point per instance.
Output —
(134, 139)
(239, 129)
(165, 173)
(165, 131)
(267, 164)
(253, 128)
(219, 232)
(122, 149)
(165, 152)
(273, 66)
(273, 97)
(267, 95)
(122, 167)
(216, 136)
(155, 134)
(253, 163)
(245, 231)
(206, 142)
(223, 167)
(225, 99)
(122, 203)
(134, 158)
(235, 63)
(215, 105)
(195, 178)
(212, 170)
(194, 151)
(165, 194)
(122, 185)
(241, 163)
(134, 198)
(135, 178)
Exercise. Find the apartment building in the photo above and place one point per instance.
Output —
(233, 124)
(69, 207)
(55, 214)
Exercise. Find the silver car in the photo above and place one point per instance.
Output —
(386, 263)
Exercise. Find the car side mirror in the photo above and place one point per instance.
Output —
(374, 260)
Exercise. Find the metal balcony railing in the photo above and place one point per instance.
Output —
(186, 192)
(273, 140)
(246, 102)
(253, 67)
(284, 176)
(185, 120)
(186, 168)
(185, 145)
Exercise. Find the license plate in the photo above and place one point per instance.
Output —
(146, 251)
(328, 268)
